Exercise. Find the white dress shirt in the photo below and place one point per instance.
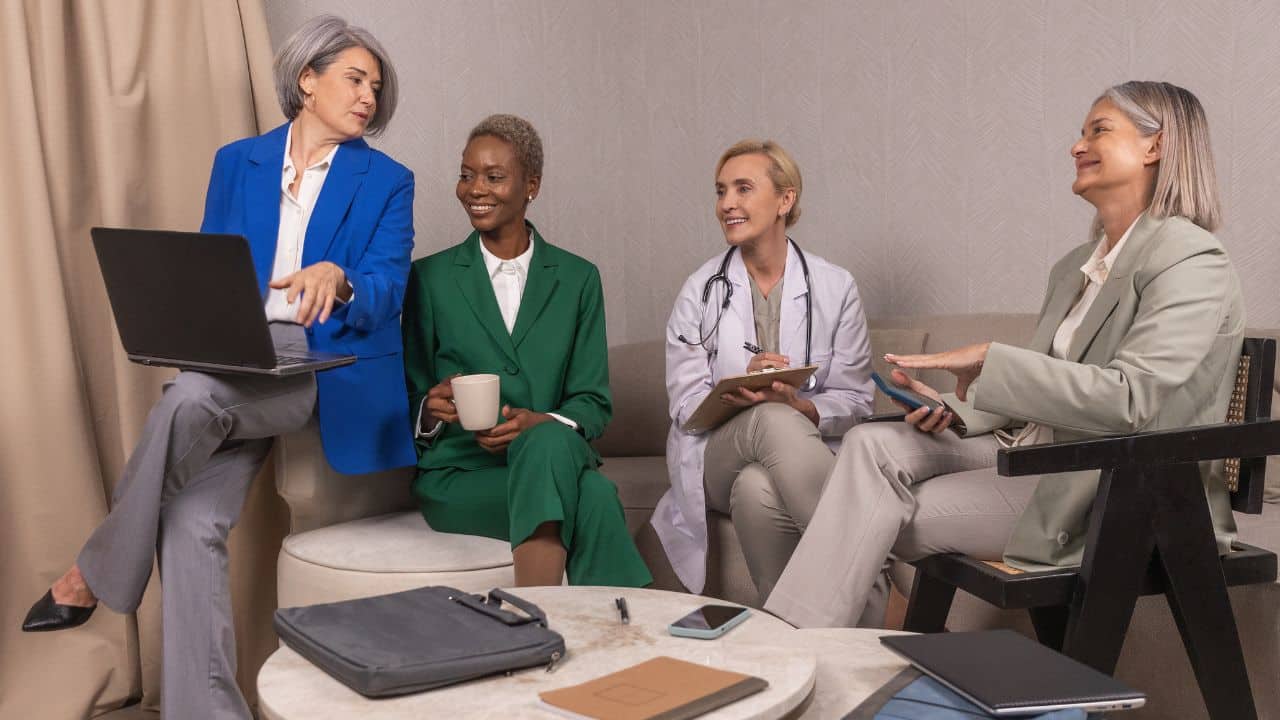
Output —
(508, 278)
(295, 214)
(1096, 270)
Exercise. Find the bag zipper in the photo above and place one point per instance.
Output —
(555, 658)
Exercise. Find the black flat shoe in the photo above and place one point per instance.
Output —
(47, 615)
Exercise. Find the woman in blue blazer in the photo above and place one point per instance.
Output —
(330, 226)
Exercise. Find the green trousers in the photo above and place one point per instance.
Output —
(550, 476)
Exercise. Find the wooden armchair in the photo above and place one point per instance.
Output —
(1149, 532)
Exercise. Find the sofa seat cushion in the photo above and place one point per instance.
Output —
(396, 543)
(386, 554)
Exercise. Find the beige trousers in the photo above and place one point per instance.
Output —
(765, 469)
(877, 505)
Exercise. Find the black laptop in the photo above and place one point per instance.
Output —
(190, 300)
(1007, 674)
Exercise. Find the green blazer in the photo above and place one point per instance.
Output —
(556, 358)
(1158, 349)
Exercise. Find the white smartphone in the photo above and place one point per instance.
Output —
(709, 621)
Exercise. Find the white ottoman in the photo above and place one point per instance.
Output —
(385, 554)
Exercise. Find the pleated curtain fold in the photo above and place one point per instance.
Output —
(110, 113)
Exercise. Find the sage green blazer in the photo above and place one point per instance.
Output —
(555, 359)
(1158, 349)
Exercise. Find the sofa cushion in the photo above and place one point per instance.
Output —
(637, 381)
(641, 481)
(396, 543)
(898, 341)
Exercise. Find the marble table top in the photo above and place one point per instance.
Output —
(852, 664)
(291, 688)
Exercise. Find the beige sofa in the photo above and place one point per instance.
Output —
(633, 447)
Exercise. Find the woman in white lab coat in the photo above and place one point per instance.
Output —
(761, 304)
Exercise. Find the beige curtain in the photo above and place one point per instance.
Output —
(112, 110)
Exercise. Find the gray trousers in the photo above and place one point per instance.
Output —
(877, 505)
(765, 468)
(179, 496)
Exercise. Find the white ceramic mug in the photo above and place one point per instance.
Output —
(477, 400)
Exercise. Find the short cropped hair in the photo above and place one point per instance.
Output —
(316, 45)
(1186, 183)
(783, 170)
(519, 134)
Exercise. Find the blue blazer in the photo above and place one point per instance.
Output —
(362, 222)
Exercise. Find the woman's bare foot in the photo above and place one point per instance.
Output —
(71, 589)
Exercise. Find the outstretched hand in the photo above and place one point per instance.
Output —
(965, 363)
(319, 286)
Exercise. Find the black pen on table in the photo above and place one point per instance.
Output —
(623, 615)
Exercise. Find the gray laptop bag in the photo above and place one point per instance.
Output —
(419, 639)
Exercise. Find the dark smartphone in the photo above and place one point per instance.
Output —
(709, 621)
(910, 398)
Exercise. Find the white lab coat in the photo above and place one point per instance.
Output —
(843, 395)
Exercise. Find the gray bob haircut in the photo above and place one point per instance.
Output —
(316, 45)
(1186, 183)
(519, 134)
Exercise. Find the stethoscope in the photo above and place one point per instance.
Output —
(721, 276)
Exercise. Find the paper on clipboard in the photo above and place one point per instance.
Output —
(713, 411)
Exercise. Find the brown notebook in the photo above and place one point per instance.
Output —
(663, 688)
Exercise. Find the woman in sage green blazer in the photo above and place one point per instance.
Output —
(505, 301)
(1141, 329)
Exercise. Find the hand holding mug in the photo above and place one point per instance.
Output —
(440, 401)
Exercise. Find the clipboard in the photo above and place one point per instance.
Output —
(712, 411)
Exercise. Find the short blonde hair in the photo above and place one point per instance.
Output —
(784, 173)
(1186, 183)
(519, 134)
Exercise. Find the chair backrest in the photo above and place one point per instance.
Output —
(1251, 400)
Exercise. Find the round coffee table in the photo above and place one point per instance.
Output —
(291, 688)
(852, 664)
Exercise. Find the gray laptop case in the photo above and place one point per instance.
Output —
(419, 639)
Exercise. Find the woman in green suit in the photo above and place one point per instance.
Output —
(505, 301)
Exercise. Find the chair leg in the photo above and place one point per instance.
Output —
(1110, 582)
(1050, 623)
(929, 605)
(1198, 599)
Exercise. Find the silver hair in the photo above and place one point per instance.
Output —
(316, 45)
(518, 133)
(1186, 183)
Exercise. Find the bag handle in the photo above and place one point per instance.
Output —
(493, 607)
(496, 596)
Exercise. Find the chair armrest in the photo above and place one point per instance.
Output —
(319, 496)
(1259, 438)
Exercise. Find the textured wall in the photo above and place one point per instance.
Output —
(933, 136)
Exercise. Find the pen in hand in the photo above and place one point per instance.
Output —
(753, 349)
(623, 615)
